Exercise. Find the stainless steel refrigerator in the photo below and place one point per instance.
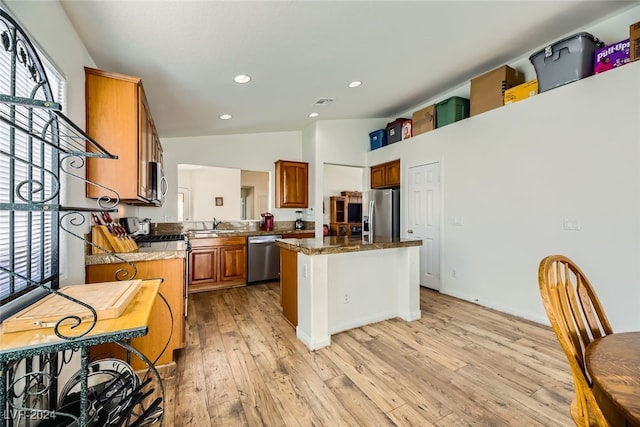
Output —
(382, 216)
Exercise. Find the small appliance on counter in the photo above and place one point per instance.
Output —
(299, 221)
(145, 226)
(131, 225)
(266, 223)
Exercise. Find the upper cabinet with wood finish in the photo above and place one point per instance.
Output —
(118, 115)
(292, 184)
(386, 175)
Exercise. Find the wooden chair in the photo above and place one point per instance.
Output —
(577, 318)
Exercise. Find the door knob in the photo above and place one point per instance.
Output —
(410, 231)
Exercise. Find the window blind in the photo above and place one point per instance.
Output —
(28, 234)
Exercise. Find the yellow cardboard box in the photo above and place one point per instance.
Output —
(520, 92)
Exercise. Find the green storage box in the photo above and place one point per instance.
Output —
(451, 110)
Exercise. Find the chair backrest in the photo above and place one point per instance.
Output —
(577, 318)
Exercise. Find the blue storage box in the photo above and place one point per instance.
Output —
(378, 138)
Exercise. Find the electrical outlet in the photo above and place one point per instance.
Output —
(454, 273)
(572, 224)
(347, 298)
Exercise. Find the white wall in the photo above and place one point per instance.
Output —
(50, 29)
(586, 169)
(209, 183)
(259, 182)
(257, 152)
(338, 142)
(515, 173)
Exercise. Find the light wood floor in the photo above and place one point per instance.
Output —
(460, 365)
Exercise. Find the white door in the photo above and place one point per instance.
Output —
(424, 220)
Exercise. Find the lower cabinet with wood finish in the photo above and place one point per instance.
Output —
(289, 285)
(167, 322)
(217, 263)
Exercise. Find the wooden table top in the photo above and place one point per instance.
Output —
(613, 362)
(135, 317)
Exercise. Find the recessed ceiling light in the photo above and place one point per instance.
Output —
(355, 83)
(242, 78)
(313, 115)
(225, 116)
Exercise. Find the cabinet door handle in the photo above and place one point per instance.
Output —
(410, 231)
(165, 186)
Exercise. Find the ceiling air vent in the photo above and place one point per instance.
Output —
(324, 101)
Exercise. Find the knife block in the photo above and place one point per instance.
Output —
(104, 238)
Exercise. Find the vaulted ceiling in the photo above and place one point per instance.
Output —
(299, 52)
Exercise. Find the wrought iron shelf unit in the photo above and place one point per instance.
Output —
(41, 148)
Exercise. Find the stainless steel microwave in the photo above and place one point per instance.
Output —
(158, 182)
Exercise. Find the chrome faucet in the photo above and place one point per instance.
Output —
(216, 223)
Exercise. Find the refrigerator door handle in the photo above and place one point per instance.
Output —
(372, 220)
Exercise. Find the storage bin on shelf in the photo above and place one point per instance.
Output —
(378, 139)
(565, 61)
(451, 110)
(398, 130)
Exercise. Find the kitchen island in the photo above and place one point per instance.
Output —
(332, 284)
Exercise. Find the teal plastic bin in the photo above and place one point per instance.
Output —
(451, 110)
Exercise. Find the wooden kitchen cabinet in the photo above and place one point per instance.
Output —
(217, 263)
(289, 285)
(118, 115)
(338, 209)
(386, 175)
(292, 184)
(338, 216)
(163, 321)
(340, 223)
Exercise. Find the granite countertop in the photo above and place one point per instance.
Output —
(171, 250)
(146, 252)
(244, 233)
(341, 244)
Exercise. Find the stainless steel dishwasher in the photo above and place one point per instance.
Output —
(263, 258)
